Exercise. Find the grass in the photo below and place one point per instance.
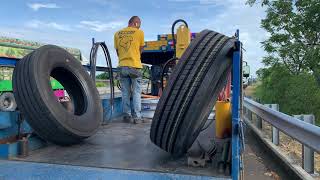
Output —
(100, 84)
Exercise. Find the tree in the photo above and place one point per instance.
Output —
(294, 27)
(295, 94)
(103, 76)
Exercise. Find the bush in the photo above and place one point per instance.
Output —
(295, 94)
(103, 76)
(100, 84)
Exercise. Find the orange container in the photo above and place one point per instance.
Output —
(223, 119)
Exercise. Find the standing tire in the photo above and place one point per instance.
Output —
(7, 102)
(37, 102)
(192, 91)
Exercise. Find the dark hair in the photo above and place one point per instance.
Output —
(132, 19)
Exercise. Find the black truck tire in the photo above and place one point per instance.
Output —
(193, 89)
(38, 104)
(7, 102)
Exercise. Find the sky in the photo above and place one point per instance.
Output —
(73, 23)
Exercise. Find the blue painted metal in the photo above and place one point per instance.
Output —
(7, 61)
(236, 75)
(108, 113)
(28, 170)
(5, 120)
(10, 119)
(4, 151)
(100, 68)
(11, 149)
(9, 131)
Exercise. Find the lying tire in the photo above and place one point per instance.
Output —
(193, 88)
(37, 102)
(7, 102)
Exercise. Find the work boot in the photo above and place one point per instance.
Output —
(127, 119)
(137, 120)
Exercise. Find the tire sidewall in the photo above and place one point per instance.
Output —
(45, 60)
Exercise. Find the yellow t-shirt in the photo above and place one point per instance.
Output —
(128, 42)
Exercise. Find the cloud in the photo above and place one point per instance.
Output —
(182, 0)
(229, 15)
(217, 2)
(99, 26)
(36, 24)
(103, 2)
(238, 15)
(37, 6)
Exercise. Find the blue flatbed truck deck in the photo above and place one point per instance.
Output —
(122, 151)
(121, 147)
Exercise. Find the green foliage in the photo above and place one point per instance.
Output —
(101, 84)
(295, 94)
(103, 76)
(294, 39)
(291, 77)
(262, 2)
(146, 72)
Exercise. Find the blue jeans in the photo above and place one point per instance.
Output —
(131, 91)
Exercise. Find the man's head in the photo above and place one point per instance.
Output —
(135, 22)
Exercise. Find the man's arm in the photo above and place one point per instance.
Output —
(141, 42)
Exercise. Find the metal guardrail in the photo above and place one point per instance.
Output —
(304, 132)
(299, 127)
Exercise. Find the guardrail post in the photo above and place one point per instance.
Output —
(275, 131)
(307, 153)
(249, 114)
(259, 122)
(303, 132)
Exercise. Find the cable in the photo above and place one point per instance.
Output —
(174, 58)
(93, 66)
(164, 69)
(119, 85)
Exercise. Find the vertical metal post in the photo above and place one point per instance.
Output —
(307, 153)
(235, 110)
(249, 115)
(259, 122)
(93, 41)
(275, 131)
(245, 112)
(258, 119)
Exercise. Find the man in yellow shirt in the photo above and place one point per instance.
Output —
(129, 43)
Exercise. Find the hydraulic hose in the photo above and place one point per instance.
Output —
(164, 69)
(174, 58)
(172, 33)
(93, 65)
